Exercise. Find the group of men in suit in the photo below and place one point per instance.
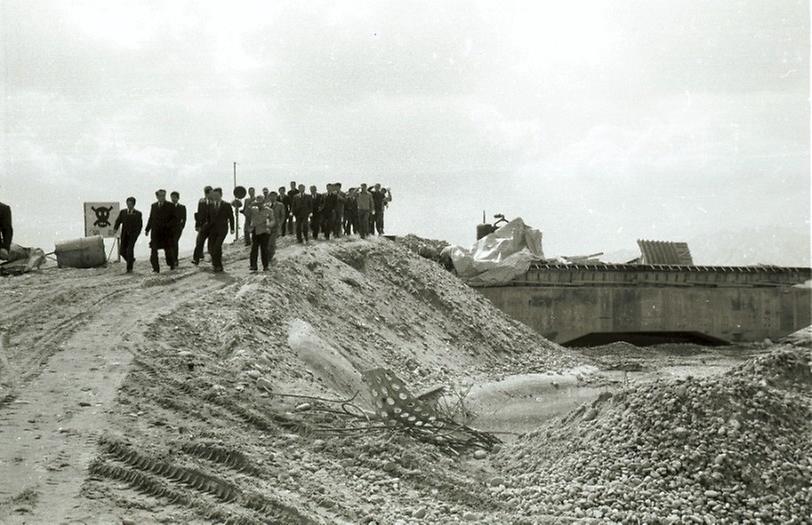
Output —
(165, 225)
(332, 213)
(268, 216)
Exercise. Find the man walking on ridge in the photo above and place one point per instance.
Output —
(291, 193)
(283, 198)
(364, 204)
(302, 207)
(278, 210)
(318, 204)
(180, 224)
(252, 195)
(381, 200)
(201, 217)
(160, 227)
(131, 222)
(328, 212)
(338, 215)
(219, 223)
(261, 222)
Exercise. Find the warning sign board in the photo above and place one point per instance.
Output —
(100, 217)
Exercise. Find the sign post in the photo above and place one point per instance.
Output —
(236, 209)
(99, 220)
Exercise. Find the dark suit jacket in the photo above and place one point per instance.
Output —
(6, 229)
(220, 220)
(161, 223)
(330, 203)
(131, 223)
(301, 205)
(180, 217)
(318, 203)
(202, 213)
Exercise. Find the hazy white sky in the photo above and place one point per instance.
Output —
(598, 122)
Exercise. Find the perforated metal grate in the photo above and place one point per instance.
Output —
(395, 405)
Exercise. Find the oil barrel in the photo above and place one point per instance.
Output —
(87, 252)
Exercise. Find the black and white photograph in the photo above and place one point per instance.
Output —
(405, 262)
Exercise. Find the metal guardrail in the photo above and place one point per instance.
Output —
(543, 274)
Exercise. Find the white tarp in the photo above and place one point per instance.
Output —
(498, 257)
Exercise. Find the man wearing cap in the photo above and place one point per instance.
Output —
(261, 224)
(365, 206)
(131, 222)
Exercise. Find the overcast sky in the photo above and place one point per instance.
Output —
(597, 122)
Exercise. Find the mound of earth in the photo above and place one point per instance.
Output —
(427, 248)
(802, 337)
(218, 402)
(729, 449)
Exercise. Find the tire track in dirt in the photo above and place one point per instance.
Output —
(49, 433)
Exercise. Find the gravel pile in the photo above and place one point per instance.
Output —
(787, 368)
(802, 337)
(427, 248)
(728, 449)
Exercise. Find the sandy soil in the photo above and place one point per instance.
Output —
(167, 399)
(136, 397)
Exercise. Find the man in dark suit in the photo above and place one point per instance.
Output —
(328, 211)
(292, 192)
(160, 226)
(6, 229)
(131, 223)
(315, 219)
(302, 207)
(201, 215)
(285, 200)
(180, 223)
(220, 221)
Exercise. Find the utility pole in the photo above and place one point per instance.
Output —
(236, 210)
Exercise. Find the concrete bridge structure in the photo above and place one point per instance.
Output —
(590, 304)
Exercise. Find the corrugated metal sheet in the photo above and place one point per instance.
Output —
(665, 252)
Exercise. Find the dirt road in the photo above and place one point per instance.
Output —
(134, 397)
(71, 338)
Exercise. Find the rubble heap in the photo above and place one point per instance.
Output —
(730, 448)
(427, 248)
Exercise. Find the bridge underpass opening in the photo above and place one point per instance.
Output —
(644, 339)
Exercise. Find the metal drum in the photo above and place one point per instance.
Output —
(87, 252)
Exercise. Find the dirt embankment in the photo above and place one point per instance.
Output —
(193, 433)
(144, 399)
